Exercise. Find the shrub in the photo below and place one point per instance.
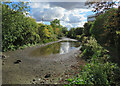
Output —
(96, 73)
(91, 49)
(98, 69)
(87, 52)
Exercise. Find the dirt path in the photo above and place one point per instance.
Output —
(20, 68)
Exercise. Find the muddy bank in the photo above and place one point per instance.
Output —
(21, 68)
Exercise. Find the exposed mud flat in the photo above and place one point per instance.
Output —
(20, 67)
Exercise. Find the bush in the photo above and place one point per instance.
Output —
(98, 69)
(96, 73)
(91, 49)
(86, 52)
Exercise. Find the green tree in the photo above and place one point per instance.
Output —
(55, 24)
(106, 30)
(103, 29)
(87, 27)
(17, 29)
(79, 31)
(100, 6)
(65, 31)
(72, 33)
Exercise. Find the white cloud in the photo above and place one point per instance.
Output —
(53, 13)
(80, 24)
(68, 5)
(39, 5)
(73, 16)
(65, 24)
(85, 10)
(27, 14)
(48, 14)
(69, 18)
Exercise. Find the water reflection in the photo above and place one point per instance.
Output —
(55, 48)
(64, 47)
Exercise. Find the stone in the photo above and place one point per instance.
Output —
(47, 75)
(17, 61)
(42, 82)
(3, 56)
(39, 79)
(33, 80)
(42, 70)
(3, 63)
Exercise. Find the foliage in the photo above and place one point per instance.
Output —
(19, 30)
(92, 49)
(44, 31)
(80, 32)
(104, 28)
(98, 70)
(65, 31)
(87, 27)
(18, 7)
(71, 33)
(74, 32)
(100, 6)
(106, 31)
(96, 73)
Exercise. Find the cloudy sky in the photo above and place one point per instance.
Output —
(71, 14)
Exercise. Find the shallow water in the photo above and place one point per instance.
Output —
(55, 48)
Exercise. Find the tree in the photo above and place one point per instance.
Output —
(55, 24)
(100, 6)
(104, 29)
(87, 27)
(65, 31)
(79, 30)
(17, 29)
(72, 33)
(22, 7)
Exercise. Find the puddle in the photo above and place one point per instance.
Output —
(55, 48)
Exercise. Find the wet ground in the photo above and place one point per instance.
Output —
(52, 63)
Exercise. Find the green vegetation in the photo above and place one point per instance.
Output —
(100, 41)
(100, 46)
(75, 32)
(18, 30)
(98, 69)
(80, 32)
(105, 30)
